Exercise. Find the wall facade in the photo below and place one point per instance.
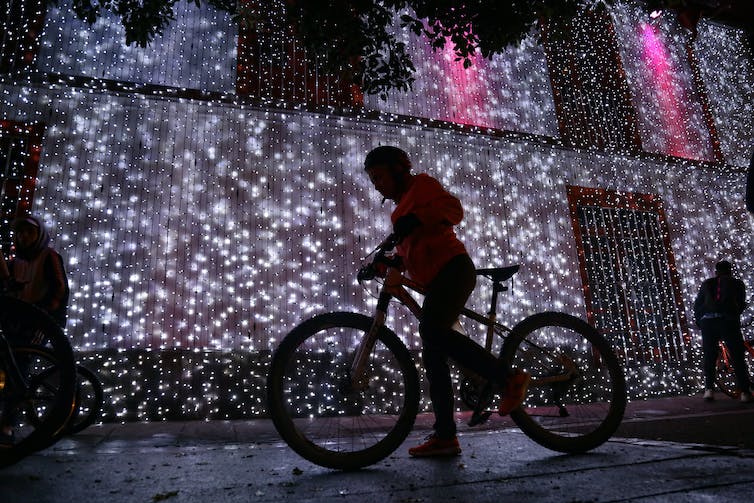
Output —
(199, 231)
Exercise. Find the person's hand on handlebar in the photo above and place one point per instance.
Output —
(379, 266)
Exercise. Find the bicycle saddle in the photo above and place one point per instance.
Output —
(499, 274)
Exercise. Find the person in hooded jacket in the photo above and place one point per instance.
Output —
(35, 274)
(434, 257)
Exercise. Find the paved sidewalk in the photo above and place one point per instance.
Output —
(702, 423)
(246, 461)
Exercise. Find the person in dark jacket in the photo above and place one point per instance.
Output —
(717, 311)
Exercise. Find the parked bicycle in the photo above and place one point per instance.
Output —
(726, 376)
(343, 390)
(42, 379)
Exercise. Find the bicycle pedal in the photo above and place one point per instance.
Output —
(478, 418)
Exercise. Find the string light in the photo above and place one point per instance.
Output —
(200, 226)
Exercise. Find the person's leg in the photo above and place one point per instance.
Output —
(445, 298)
(710, 349)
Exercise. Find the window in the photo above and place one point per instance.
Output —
(272, 65)
(592, 97)
(20, 146)
(628, 271)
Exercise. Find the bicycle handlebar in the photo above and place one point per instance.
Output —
(369, 271)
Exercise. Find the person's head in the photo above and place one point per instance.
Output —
(389, 169)
(29, 235)
(723, 268)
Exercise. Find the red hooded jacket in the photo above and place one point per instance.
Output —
(426, 250)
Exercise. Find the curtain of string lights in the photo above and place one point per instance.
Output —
(198, 227)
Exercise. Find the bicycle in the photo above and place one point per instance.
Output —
(343, 390)
(46, 384)
(725, 377)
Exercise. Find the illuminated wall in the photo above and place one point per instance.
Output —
(666, 96)
(727, 67)
(198, 51)
(510, 91)
(216, 225)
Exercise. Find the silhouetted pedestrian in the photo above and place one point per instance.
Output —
(717, 311)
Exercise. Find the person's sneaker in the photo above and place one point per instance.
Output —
(435, 447)
(709, 395)
(746, 397)
(514, 391)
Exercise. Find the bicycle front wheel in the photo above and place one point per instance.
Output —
(317, 410)
(577, 394)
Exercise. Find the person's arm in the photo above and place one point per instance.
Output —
(741, 297)
(436, 206)
(58, 282)
(699, 306)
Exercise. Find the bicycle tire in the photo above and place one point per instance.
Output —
(578, 414)
(314, 407)
(19, 323)
(725, 375)
(89, 397)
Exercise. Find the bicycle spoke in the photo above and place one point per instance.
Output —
(319, 411)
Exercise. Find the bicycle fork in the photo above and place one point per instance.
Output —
(391, 288)
(358, 375)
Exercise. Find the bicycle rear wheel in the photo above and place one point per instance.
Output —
(577, 395)
(43, 378)
(725, 376)
(316, 409)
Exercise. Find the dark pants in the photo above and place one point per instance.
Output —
(729, 331)
(446, 296)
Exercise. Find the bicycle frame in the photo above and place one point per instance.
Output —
(397, 286)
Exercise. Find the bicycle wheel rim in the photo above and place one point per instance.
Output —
(316, 410)
(581, 412)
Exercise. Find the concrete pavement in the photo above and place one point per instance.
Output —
(710, 458)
